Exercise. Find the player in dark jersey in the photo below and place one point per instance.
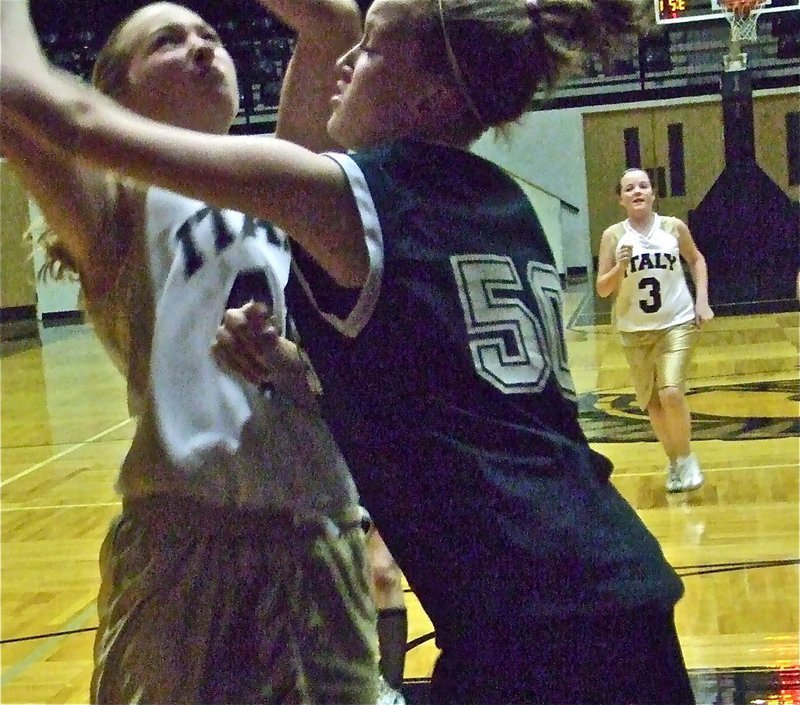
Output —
(449, 392)
(428, 302)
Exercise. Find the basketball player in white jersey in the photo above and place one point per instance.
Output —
(639, 262)
(236, 570)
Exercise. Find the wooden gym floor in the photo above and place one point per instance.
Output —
(64, 430)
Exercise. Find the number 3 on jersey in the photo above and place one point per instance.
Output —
(653, 301)
(512, 348)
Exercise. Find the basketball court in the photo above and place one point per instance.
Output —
(64, 429)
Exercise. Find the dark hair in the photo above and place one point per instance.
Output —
(506, 50)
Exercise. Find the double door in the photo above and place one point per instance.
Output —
(681, 147)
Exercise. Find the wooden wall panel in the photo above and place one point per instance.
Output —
(704, 152)
(769, 117)
(17, 282)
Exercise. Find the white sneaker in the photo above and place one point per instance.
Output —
(388, 695)
(674, 482)
(690, 473)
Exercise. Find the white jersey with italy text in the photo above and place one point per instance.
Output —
(201, 431)
(653, 294)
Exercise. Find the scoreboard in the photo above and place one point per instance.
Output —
(672, 11)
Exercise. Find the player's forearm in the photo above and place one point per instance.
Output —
(609, 282)
(32, 99)
(48, 105)
(45, 108)
(13, 142)
(19, 42)
(317, 16)
(326, 29)
(21, 63)
(700, 278)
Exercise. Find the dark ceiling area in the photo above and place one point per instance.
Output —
(76, 16)
(100, 17)
(681, 60)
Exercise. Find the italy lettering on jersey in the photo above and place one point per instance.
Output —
(653, 293)
(198, 256)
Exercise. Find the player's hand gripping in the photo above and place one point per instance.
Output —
(624, 254)
(249, 343)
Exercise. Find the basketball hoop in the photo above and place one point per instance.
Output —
(742, 16)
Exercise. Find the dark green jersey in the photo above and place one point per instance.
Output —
(447, 386)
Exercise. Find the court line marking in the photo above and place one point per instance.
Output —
(47, 635)
(617, 474)
(60, 455)
(40, 653)
(97, 436)
(52, 507)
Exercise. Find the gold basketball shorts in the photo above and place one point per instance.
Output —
(201, 604)
(659, 358)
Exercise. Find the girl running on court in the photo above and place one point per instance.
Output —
(640, 263)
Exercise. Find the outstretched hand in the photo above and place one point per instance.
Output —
(249, 343)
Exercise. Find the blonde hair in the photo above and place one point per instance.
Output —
(109, 76)
(58, 262)
(507, 50)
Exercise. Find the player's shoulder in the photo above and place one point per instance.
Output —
(614, 232)
(672, 225)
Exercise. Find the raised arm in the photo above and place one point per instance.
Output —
(302, 192)
(697, 266)
(75, 201)
(325, 29)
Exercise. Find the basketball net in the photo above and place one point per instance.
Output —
(742, 16)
